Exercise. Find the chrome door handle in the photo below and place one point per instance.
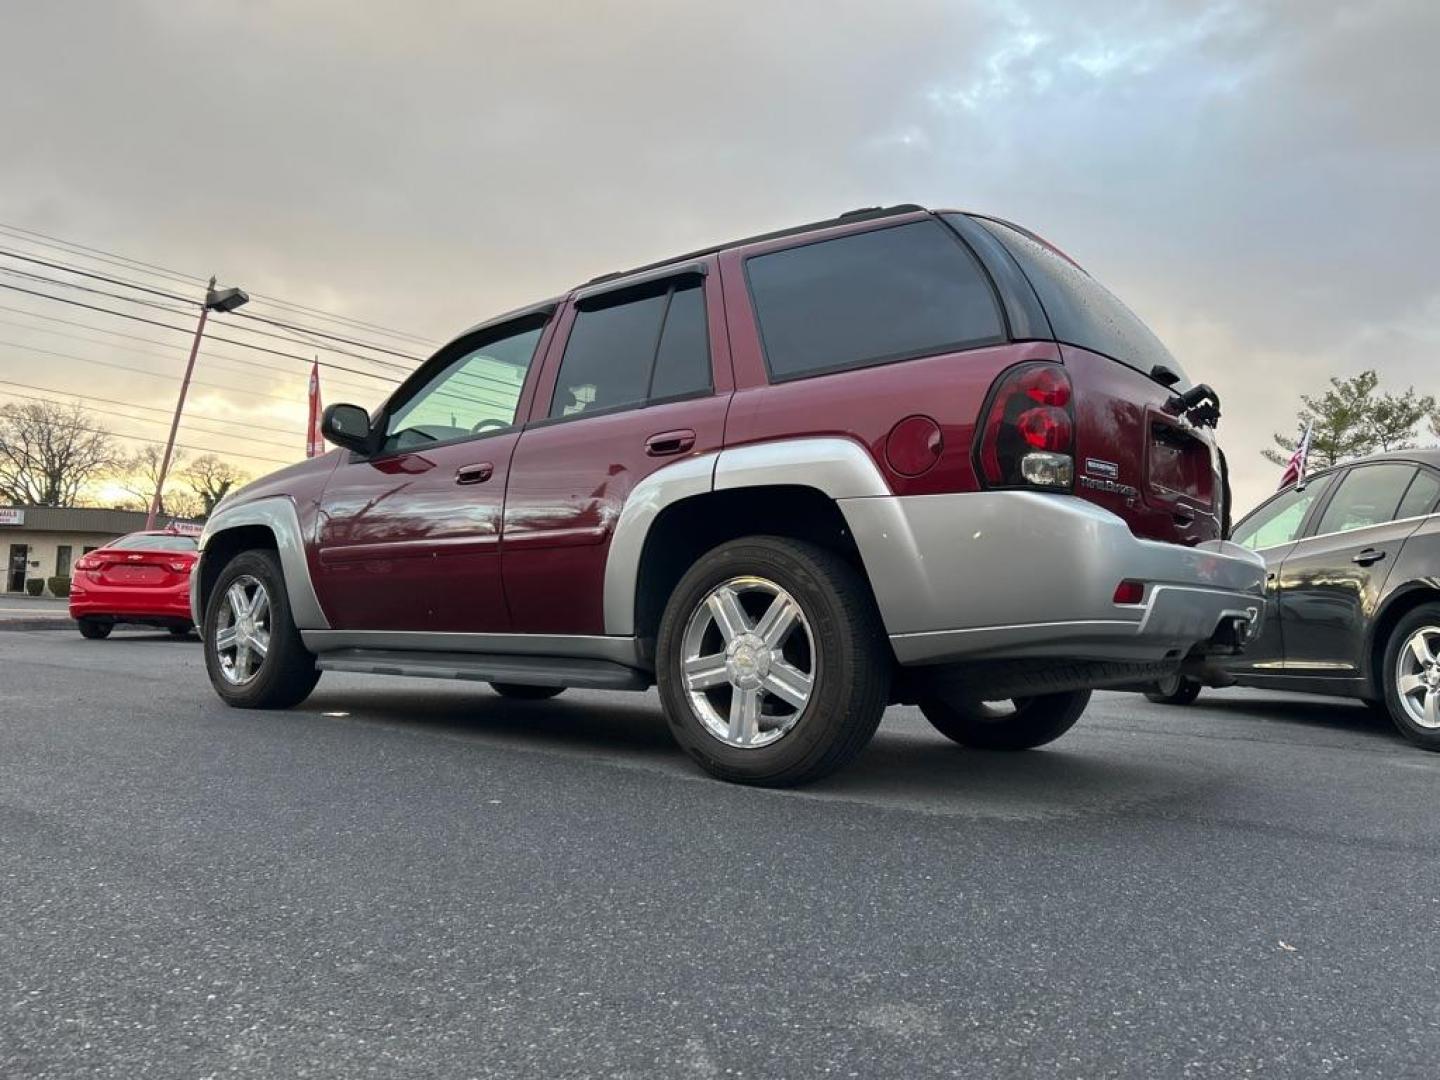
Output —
(1368, 556)
(474, 474)
(670, 442)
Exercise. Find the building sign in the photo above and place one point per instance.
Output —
(11, 516)
(185, 528)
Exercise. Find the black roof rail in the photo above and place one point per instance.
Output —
(865, 213)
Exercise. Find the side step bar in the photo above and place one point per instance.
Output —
(487, 667)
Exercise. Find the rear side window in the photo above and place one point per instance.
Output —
(1369, 495)
(1421, 498)
(1082, 311)
(651, 346)
(870, 298)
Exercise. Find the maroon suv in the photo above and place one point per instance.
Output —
(899, 455)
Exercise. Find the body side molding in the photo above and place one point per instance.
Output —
(276, 513)
(617, 650)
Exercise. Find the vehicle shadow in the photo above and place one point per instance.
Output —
(1303, 712)
(906, 763)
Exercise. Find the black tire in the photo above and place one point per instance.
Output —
(1034, 722)
(95, 629)
(1176, 690)
(1424, 616)
(288, 673)
(181, 631)
(851, 662)
(523, 692)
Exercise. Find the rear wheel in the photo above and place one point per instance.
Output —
(522, 692)
(95, 629)
(772, 662)
(1412, 676)
(1176, 690)
(253, 651)
(1018, 725)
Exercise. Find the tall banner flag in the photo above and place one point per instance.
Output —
(1295, 467)
(314, 442)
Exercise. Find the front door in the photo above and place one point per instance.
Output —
(1331, 581)
(633, 390)
(409, 538)
(19, 563)
(1271, 532)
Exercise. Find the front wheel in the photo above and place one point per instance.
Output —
(1027, 723)
(1176, 690)
(1412, 676)
(95, 629)
(253, 651)
(772, 661)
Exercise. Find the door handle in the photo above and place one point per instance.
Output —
(670, 442)
(474, 474)
(1368, 556)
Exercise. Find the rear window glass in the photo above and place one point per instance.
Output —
(1082, 311)
(869, 298)
(151, 542)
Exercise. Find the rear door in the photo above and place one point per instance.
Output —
(638, 379)
(1331, 581)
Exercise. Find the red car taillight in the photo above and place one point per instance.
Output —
(88, 562)
(1027, 438)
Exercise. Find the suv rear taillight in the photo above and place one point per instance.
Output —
(1028, 436)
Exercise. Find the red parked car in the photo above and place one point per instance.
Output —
(895, 456)
(141, 578)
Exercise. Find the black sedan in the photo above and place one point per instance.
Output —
(1353, 588)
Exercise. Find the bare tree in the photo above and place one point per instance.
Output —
(49, 452)
(141, 470)
(211, 478)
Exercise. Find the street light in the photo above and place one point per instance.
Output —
(221, 300)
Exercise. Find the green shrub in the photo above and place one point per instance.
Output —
(58, 585)
(35, 586)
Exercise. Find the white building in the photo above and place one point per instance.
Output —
(44, 541)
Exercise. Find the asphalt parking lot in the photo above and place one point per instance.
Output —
(411, 879)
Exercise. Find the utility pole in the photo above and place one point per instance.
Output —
(215, 300)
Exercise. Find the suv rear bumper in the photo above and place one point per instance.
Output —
(1018, 574)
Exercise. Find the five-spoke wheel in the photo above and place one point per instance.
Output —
(253, 651)
(1417, 676)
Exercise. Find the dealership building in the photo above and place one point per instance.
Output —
(45, 541)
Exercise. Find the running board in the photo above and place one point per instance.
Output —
(488, 667)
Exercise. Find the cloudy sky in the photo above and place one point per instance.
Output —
(1258, 180)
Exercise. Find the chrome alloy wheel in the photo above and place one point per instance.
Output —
(242, 630)
(748, 662)
(1417, 676)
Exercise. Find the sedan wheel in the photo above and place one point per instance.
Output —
(242, 632)
(749, 662)
(1417, 677)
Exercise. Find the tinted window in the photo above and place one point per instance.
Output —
(1368, 495)
(152, 542)
(475, 393)
(682, 366)
(1081, 310)
(864, 299)
(1420, 499)
(1279, 521)
(634, 349)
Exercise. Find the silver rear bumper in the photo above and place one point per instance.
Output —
(1014, 574)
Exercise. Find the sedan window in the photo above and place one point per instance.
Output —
(1420, 499)
(1369, 495)
(1279, 520)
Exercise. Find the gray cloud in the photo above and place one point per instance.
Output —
(1253, 177)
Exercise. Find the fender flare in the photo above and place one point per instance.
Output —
(837, 467)
(277, 514)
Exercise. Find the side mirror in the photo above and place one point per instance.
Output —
(347, 426)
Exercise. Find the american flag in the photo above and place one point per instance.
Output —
(314, 441)
(1295, 467)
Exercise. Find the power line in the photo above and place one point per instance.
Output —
(87, 289)
(331, 337)
(94, 276)
(34, 236)
(201, 417)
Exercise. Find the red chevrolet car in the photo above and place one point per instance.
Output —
(141, 578)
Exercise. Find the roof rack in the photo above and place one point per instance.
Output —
(864, 213)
